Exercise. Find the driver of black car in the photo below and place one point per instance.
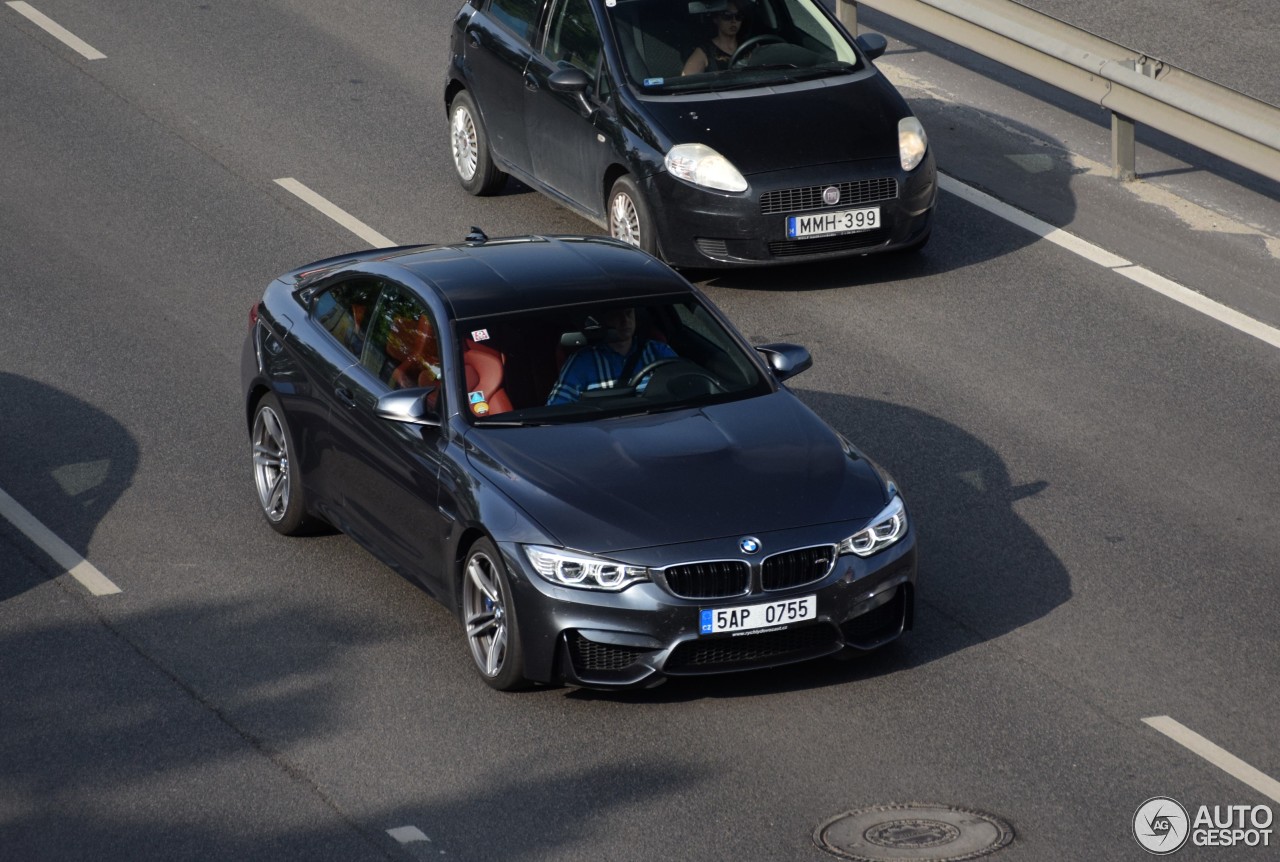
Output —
(715, 53)
(610, 364)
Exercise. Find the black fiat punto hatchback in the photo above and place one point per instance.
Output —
(709, 132)
(565, 443)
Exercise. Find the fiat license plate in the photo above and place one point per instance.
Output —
(833, 223)
(745, 618)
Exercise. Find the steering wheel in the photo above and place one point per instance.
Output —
(750, 45)
(687, 369)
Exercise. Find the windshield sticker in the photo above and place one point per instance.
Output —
(480, 335)
(479, 406)
(654, 82)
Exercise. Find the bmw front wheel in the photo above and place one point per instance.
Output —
(275, 470)
(489, 615)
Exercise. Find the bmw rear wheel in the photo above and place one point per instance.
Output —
(490, 619)
(275, 470)
(629, 218)
(469, 146)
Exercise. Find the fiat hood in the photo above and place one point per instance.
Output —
(828, 120)
(734, 469)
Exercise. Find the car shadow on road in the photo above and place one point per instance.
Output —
(61, 459)
(984, 572)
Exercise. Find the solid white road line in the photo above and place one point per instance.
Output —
(334, 212)
(1224, 760)
(63, 554)
(63, 35)
(1115, 263)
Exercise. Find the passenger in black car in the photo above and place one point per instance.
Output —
(714, 54)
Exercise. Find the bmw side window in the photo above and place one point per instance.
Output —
(518, 16)
(344, 310)
(403, 350)
(573, 37)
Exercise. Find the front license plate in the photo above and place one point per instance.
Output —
(833, 223)
(745, 618)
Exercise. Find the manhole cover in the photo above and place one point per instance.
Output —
(913, 831)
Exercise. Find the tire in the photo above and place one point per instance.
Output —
(276, 476)
(469, 147)
(489, 618)
(629, 218)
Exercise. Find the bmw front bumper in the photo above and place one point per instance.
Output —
(640, 636)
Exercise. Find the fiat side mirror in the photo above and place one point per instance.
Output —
(872, 44)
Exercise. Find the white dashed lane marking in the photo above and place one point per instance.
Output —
(63, 554)
(57, 31)
(407, 834)
(1219, 757)
(335, 212)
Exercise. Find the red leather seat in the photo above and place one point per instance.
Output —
(485, 373)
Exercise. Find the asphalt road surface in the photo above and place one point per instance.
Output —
(1092, 467)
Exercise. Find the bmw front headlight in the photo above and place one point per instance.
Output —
(912, 142)
(703, 166)
(571, 569)
(884, 529)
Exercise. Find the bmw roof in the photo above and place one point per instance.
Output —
(497, 276)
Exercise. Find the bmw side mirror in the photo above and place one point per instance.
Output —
(786, 360)
(411, 406)
(872, 44)
(571, 81)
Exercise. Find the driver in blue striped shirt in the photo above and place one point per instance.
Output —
(607, 365)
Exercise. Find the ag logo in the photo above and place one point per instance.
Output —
(1160, 824)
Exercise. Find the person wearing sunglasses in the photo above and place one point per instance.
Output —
(714, 54)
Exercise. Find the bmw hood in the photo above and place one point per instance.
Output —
(819, 122)
(734, 469)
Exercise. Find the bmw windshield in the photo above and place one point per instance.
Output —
(675, 46)
(576, 363)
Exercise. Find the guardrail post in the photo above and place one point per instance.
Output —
(1123, 148)
(847, 12)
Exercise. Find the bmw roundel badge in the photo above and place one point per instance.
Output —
(749, 544)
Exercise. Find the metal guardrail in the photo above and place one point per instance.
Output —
(1134, 87)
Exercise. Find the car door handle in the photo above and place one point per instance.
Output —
(530, 82)
(473, 36)
(344, 395)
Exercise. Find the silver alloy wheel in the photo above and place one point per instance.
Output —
(483, 603)
(271, 464)
(624, 221)
(466, 149)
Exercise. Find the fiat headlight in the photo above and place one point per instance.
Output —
(703, 166)
(885, 528)
(912, 142)
(569, 569)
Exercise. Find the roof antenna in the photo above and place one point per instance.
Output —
(476, 235)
